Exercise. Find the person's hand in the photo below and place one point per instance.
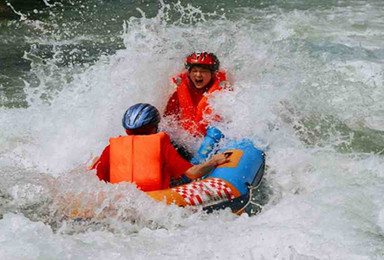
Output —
(220, 159)
(205, 168)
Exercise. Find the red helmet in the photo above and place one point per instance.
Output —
(203, 59)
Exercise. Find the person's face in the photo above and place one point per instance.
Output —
(200, 76)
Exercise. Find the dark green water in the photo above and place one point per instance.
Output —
(94, 28)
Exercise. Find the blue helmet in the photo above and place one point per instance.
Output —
(140, 115)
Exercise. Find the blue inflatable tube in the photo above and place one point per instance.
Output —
(242, 174)
(245, 173)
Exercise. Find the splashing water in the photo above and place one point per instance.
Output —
(308, 85)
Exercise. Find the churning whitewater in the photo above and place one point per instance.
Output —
(308, 84)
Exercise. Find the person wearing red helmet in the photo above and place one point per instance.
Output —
(190, 102)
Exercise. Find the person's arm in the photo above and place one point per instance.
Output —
(205, 168)
(102, 165)
(176, 166)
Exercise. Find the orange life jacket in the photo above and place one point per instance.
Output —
(192, 117)
(138, 159)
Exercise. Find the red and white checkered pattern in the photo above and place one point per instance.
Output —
(205, 191)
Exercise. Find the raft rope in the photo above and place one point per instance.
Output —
(251, 193)
(250, 199)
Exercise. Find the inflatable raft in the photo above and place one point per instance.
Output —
(229, 185)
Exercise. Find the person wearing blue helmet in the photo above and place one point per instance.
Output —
(145, 156)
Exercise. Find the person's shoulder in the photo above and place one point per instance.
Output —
(165, 140)
(117, 137)
(163, 135)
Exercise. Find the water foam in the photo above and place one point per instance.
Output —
(288, 97)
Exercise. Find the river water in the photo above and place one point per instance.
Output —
(308, 89)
